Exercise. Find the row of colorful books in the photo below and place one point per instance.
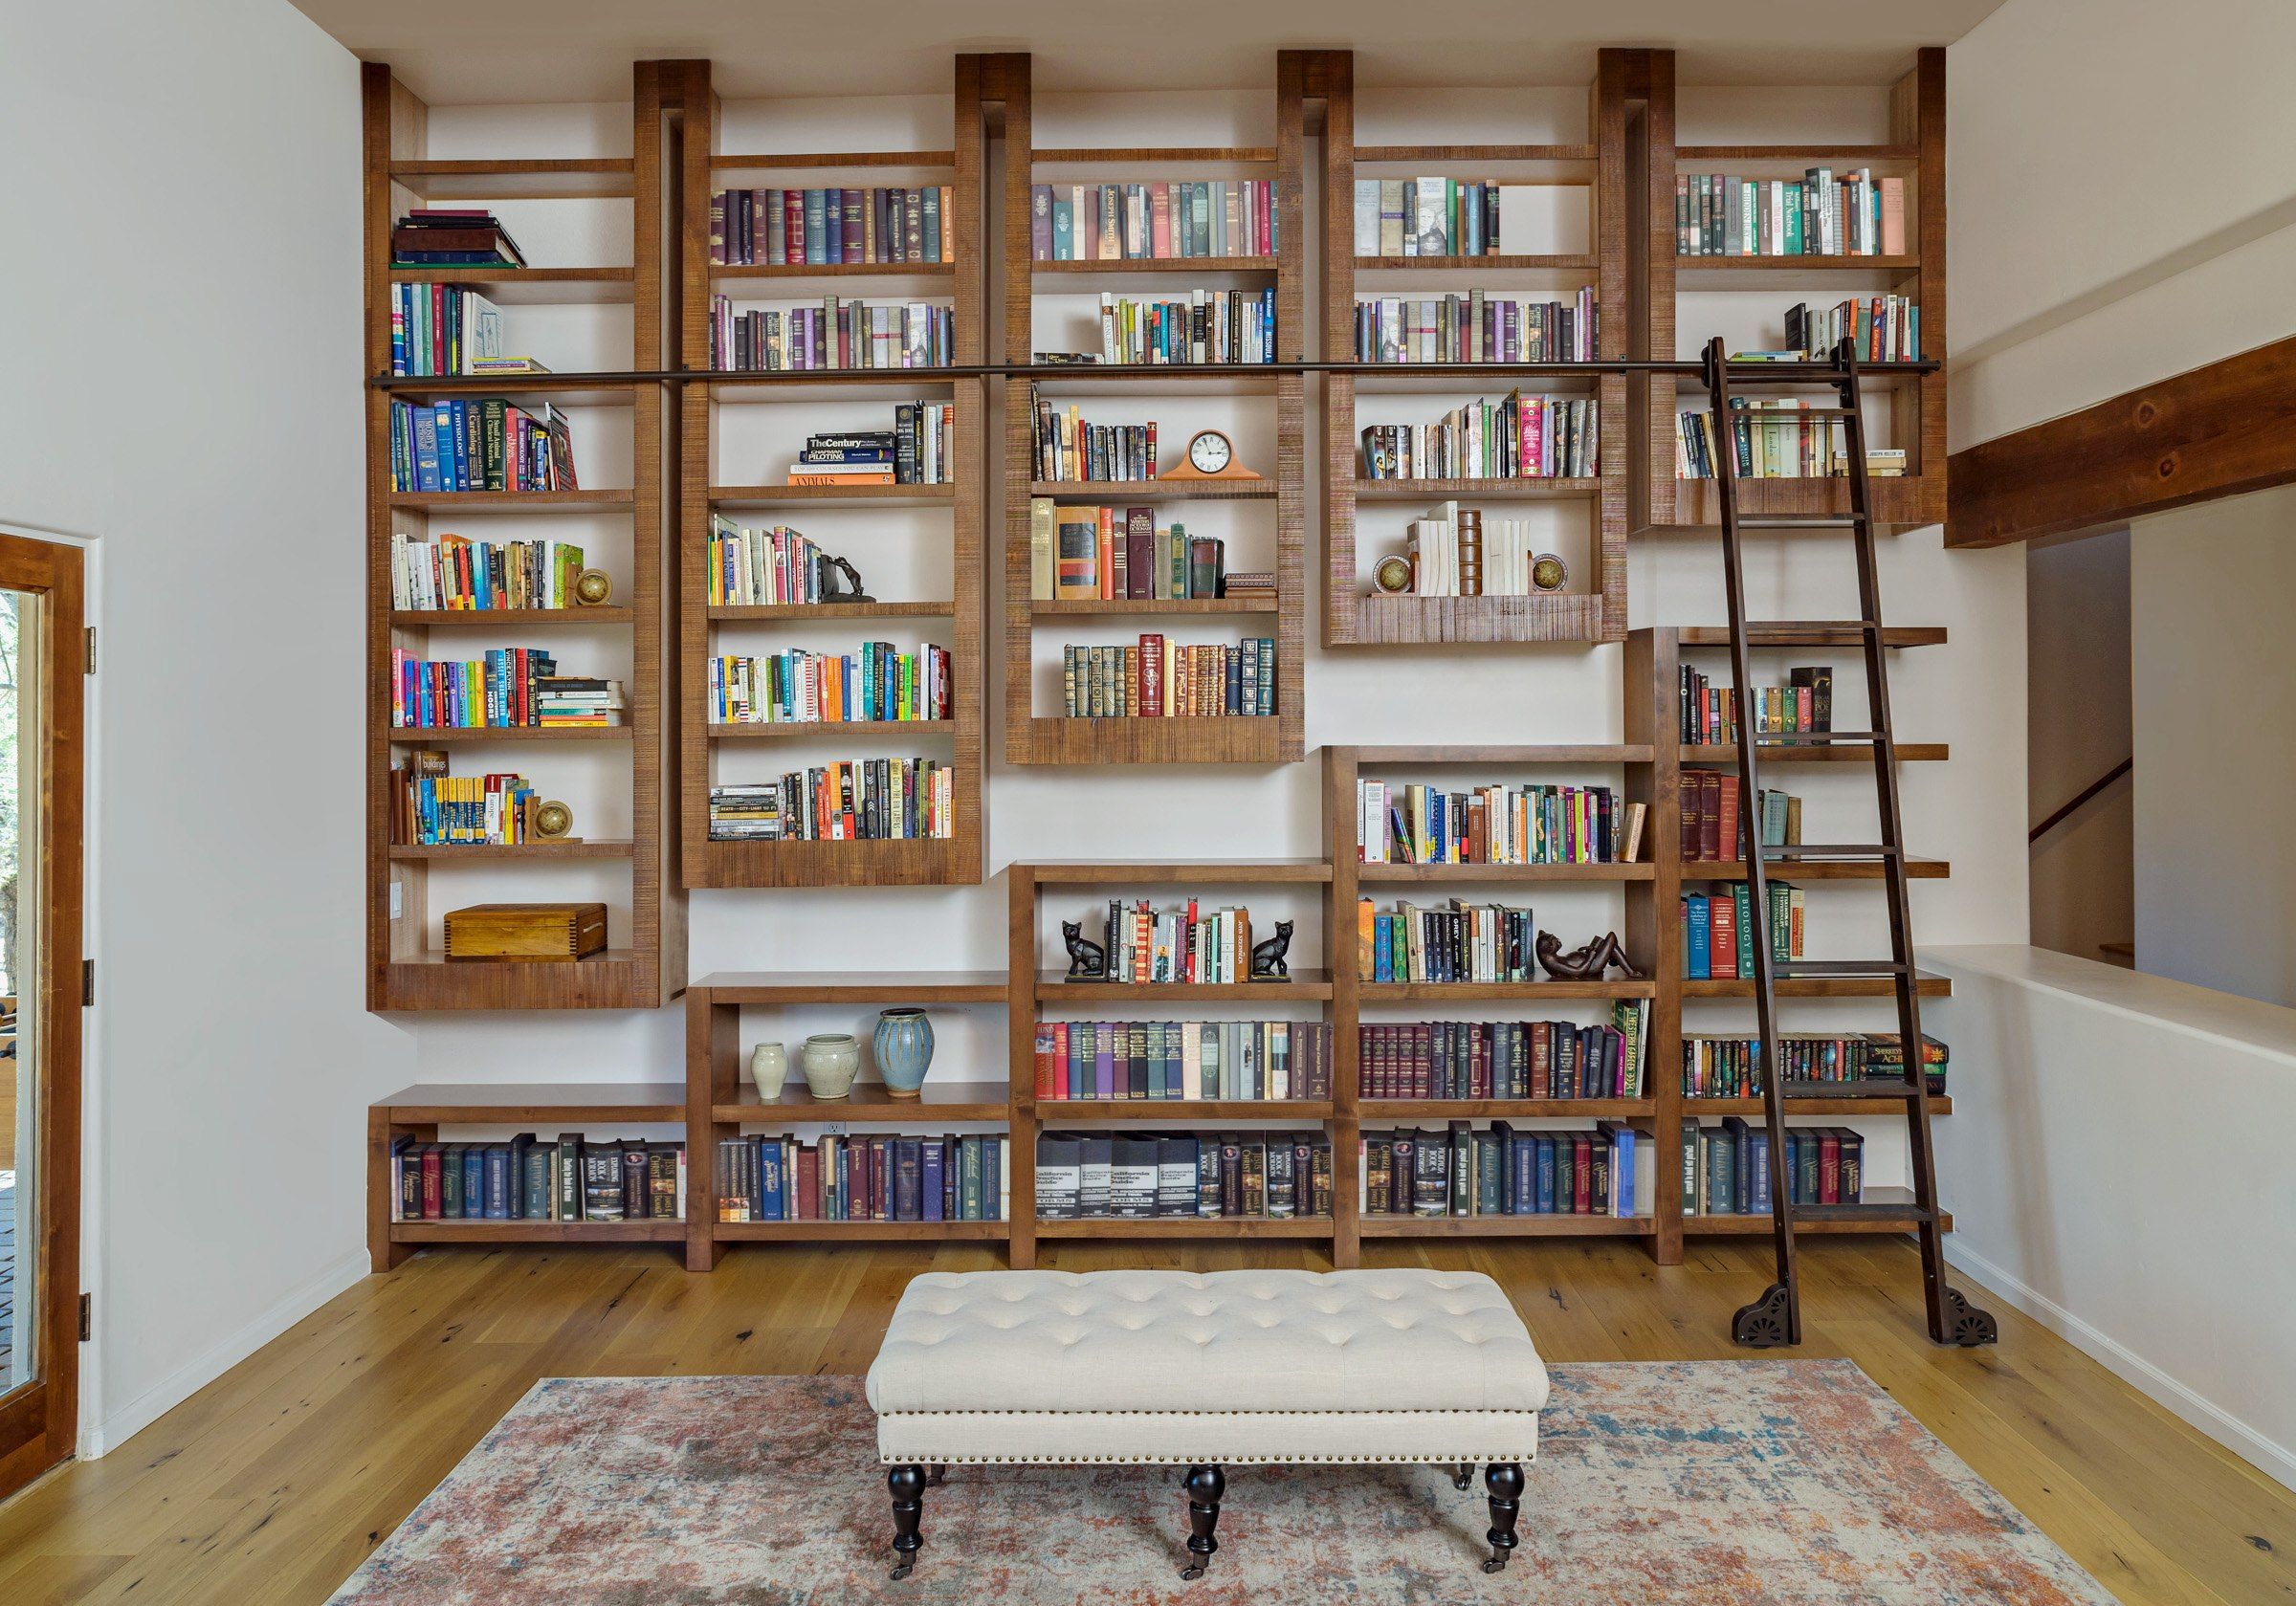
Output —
(1160, 679)
(1521, 437)
(1717, 1065)
(483, 443)
(765, 568)
(1460, 942)
(430, 807)
(914, 452)
(865, 800)
(1188, 1061)
(1718, 930)
(1882, 329)
(456, 574)
(1222, 326)
(1095, 1176)
(530, 1178)
(1499, 1170)
(1823, 214)
(508, 686)
(1477, 326)
(1803, 705)
(874, 1177)
(878, 682)
(449, 329)
(1141, 945)
(1442, 216)
(1157, 221)
(1506, 1059)
(1710, 818)
(1777, 448)
(1070, 448)
(1726, 1169)
(837, 335)
(1495, 823)
(1112, 552)
(1449, 556)
(833, 227)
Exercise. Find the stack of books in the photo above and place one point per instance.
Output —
(871, 800)
(1804, 704)
(1125, 1176)
(754, 568)
(1495, 824)
(1144, 944)
(575, 700)
(1711, 832)
(878, 683)
(913, 451)
(1164, 679)
(1112, 551)
(1523, 437)
(453, 236)
(456, 574)
(486, 443)
(499, 689)
(431, 808)
(1718, 930)
(1070, 448)
(1453, 556)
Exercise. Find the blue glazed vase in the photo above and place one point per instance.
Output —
(904, 1047)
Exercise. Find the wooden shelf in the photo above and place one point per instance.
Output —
(1123, 1111)
(525, 287)
(1814, 870)
(767, 613)
(1217, 872)
(612, 979)
(425, 735)
(1473, 489)
(1142, 154)
(480, 852)
(1126, 266)
(1494, 992)
(1070, 608)
(1187, 1226)
(906, 862)
(729, 272)
(1940, 1104)
(510, 617)
(1425, 156)
(1899, 503)
(793, 160)
(1575, 266)
(1382, 620)
(535, 1103)
(1726, 1226)
(1207, 739)
(854, 986)
(938, 1101)
(1507, 1226)
(1929, 986)
(1731, 273)
(1156, 490)
(517, 178)
(834, 729)
(1893, 157)
(647, 1231)
(1860, 753)
(1507, 1109)
(511, 501)
(1393, 872)
(1760, 636)
(1307, 986)
(858, 1232)
(1551, 753)
(744, 496)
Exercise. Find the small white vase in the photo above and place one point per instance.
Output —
(770, 1069)
(832, 1060)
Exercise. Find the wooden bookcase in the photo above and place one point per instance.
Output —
(647, 965)
(714, 478)
(1915, 150)
(1592, 607)
(1035, 738)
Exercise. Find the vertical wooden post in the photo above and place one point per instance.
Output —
(1917, 120)
(1653, 925)
(713, 1071)
(1021, 1009)
(1340, 960)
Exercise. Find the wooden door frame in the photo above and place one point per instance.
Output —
(42, 1419)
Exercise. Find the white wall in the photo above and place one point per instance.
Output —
(2215, 697)
(2158, 1246)
(182, 338)
(2077, 729)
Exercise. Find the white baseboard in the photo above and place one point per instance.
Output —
(2274, 1461)
(196, 1373)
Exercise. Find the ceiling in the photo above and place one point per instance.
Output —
(452, 51)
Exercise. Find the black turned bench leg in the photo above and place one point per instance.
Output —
(907, 1487)
(1504, 1478)
(1205, 1484)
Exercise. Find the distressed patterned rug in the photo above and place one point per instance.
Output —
(1786, 1481)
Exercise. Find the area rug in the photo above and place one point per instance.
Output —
(1786, 1481)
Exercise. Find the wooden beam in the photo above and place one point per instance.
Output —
(2215, 431)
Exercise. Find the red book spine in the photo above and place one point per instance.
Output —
(1051, 1045)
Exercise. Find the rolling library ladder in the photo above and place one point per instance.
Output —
(1775, 1318)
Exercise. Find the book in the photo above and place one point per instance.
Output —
(1477, 326)
(509, 685)
(888, 226)
(1161, 678)
(526, 1178)
(1179, 1059)
(1460, 942)
(839, 334)
(865, 800)
(1191, 943)
(483, 443)
(1204, 326)
(1719, 929)
(913, 451)
(1495, 823)
(1506, 1059)
(433, 808)
(877, 682)
(444, 329)
(1156, 220)
(1467, 1169)
(880, 1177)
(1094, 551)
(458, 236)
(1070, 450)
(1519, 437)
(1723, 1066)
(1822, 213)
(456, 574)
(1209, 1176)
(1436, 216)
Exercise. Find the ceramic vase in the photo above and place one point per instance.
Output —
(831, 1061)
(770, 1069)
(904, 1048)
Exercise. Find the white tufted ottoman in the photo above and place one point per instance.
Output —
(1201, 1368)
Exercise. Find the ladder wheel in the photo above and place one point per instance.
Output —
(1967, 1326)
(1765, 1324)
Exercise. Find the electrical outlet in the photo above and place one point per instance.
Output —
(398, 899)
(832, 1129)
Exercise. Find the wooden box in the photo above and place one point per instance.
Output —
(526, 931)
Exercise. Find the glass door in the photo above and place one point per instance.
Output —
(43, 657)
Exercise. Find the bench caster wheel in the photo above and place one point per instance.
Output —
(1497, 1564)
(1192, 1572)
(903, 1571)
(1465, 1478)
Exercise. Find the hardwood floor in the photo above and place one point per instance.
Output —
(269, 1485)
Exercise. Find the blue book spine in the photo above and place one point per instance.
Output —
(497, 1183)
(461, 413)
(992, 1178)
(933, 1169)
(428, 474)
(773, 1188)
(474, 1183)
(1621, 1172)
(1699, 946)
(816, 247)
(1543, 1190)
(1758, 1158)
(1522, 1172)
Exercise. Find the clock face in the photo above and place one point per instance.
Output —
(1211, 452)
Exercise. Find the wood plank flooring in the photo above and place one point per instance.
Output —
(271, 1484)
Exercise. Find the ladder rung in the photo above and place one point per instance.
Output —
(1890, 1213)
(1831, 850)
(1804, 522)
(1817, 739)
(1793, 969)
(1762, 629)
(1881, 1089)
